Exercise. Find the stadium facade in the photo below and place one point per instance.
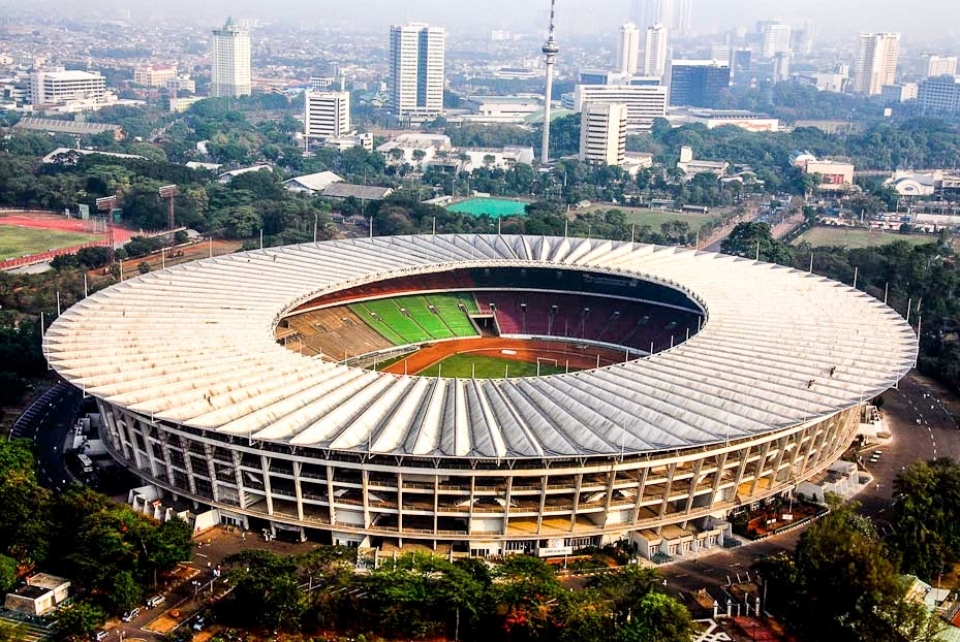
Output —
(201, 400)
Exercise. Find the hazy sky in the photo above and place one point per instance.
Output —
(916, 19)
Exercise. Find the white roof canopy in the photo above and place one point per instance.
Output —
(194, 344)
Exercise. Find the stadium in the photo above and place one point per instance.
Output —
(351, 391)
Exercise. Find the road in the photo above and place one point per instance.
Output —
(46, 422)
(921, 418)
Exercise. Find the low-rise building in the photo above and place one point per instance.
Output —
(691, 166)
(834, 175)
(343, 191)
(61, 86)
(154, 75)
(312, 183)
(41, 594)
(226, 177)
(501, 109)
(713, 118)
(74, 128)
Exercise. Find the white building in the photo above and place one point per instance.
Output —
(154, 75)
(941, 66)
(502, 109)
(628, 49)
(675, 15)
(876, 62)
(230, 53)
(644, 102)
(900, 93)
(326, 114)
(775, 38)
(603, 133)
(416, 70)
(57, 87)
(41, 594)
(415, 149)
(312, 183)
(691, 166)
(655, 51)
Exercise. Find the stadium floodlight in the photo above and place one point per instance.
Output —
(169, 192)
(107, 203)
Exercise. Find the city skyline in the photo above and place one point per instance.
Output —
(851, 16)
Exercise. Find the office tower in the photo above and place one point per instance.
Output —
(628, 51)
(781, 66)
(774, 39)
(326, 114)
(416, 70)
(644, 103)
(675, 15)
(683, 21)
(740, 65)
(876, 62)
(603, 133)
(550, 50)
(698, 83)
(230, 52)
(941, 66)
(655, 51)
(645, 13)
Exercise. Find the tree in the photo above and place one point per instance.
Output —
(840, 584)
(8, 573)
(143, 267)
(755, 240)
(78, 622)
(926, 517)
(267, 590)
(658, 618)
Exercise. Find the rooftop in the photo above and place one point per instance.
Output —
(780, 348)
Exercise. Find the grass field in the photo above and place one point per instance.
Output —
(857, 238)
(15, 241)
(461, 366)
(656, 218)
(494, 207)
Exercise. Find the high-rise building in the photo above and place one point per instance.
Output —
(675, 15)
(698, 83)
(941, 66)
(876, 62)
(781, 66)
(628, 51)
(416, 70)
(644, 103)
(603, 133)
(655, 51)
(774, 39)
(230, 52)
(326, 114)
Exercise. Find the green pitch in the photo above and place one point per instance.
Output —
(466, 366)
(16, 241)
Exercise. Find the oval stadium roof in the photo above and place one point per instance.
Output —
(194, 344)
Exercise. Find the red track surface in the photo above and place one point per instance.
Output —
(49, 221)
(580, 358)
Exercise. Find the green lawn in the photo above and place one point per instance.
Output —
(493, 207)
(461, 366)
(829, 236)
(15, 241)
(656, 218)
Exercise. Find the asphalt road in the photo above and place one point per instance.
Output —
(46, 422)
(921, 419)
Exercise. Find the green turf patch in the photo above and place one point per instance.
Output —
(492, 207)
(16, 241)
(854, 238)
(466, 366)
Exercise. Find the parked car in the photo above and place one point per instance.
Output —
(100, 635)
(155, 601)
(129, 616)
(198, 625)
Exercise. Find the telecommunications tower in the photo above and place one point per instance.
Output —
(550, 51)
